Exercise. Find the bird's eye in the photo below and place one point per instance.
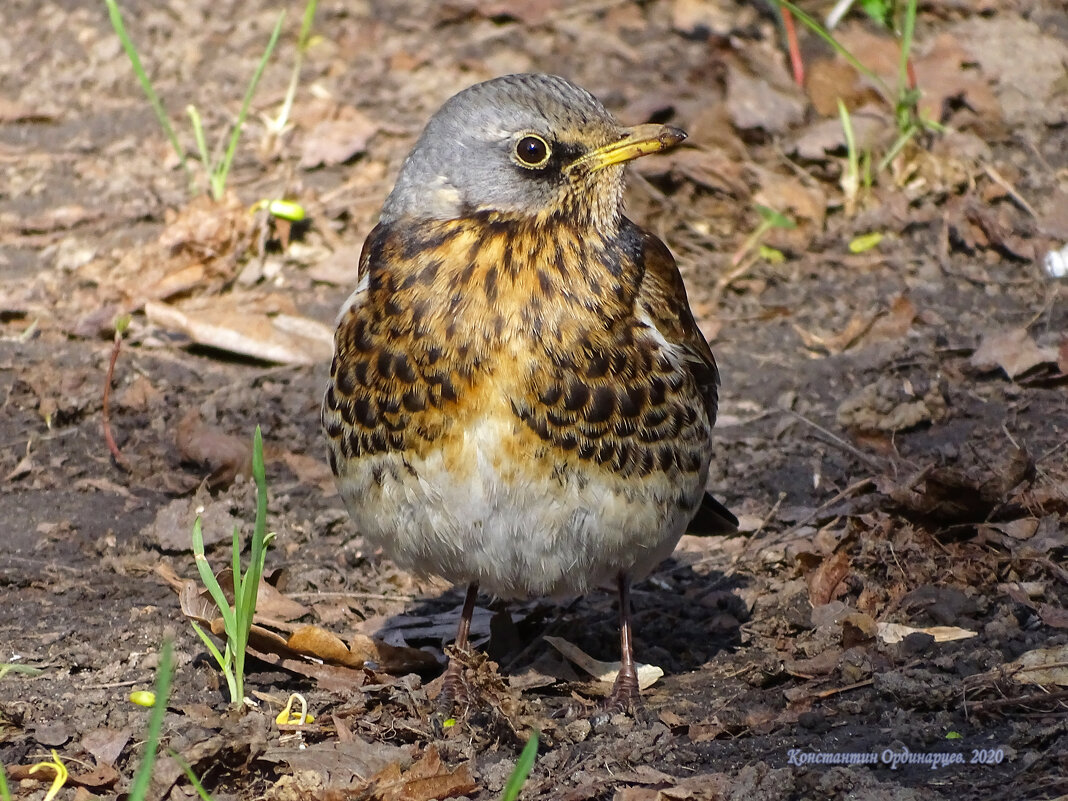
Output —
(532, 151)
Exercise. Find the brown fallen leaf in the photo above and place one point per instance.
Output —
(16, 111)
(605, 672)
(335, 141)
(311, 470)
(227, 324)
(317, 642)
(871, 128)
(895, 322)
(207, 228)
(831, 79)
(1041, 666)
(824, 583)
(1013, 351)
(99, 778)
(225, 455)
(105, 744)
(833, 344)
(173, 525)
(427, 779)
(891, 633)
(753, 101)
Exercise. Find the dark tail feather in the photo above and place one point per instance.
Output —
(712, 519)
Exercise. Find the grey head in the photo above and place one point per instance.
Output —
(522, 145)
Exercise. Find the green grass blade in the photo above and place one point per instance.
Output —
(11, 667)
(5, 794)
(164, 674)
(851, 142)
(276, 126)
(773, 218)
(522, 769)
(146, 84)
(213, 649)
(209, 579)
(260, 538)
(305, 25)
(189, 774)
(221, 171)
(250, 582)
(198, 137)
(896, 148)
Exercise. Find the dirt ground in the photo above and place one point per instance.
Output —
(893, 432)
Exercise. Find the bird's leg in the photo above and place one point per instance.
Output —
(626, 694)
(452, 688)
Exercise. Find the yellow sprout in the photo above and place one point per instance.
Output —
(61, 774)
(286, 718)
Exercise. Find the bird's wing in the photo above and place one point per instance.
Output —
(662, 298)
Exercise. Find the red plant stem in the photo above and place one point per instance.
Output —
(910, 73)
(793, 47)
(120, 460)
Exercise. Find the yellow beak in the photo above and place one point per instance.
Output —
(641, 140)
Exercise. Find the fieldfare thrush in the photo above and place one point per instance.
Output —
(520, 399)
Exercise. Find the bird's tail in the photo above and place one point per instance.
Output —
(712, 519)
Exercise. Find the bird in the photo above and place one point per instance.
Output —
(520, 400)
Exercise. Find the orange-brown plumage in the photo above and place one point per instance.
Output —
(520, 397)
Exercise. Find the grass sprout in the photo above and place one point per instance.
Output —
(277, 126)
(903, 99)
(217, 167)
(164, 675)
(522, 769)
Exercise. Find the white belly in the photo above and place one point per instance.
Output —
(479, 514)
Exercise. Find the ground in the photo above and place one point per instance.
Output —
(892, 434)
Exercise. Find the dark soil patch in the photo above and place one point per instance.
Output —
(886, 476)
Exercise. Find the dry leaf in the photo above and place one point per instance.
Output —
(222, 323)
(427, 779)
(870, 127)
(319, 643)
(837, 343)
(225, 455)
(1041, 666)
(648, 675)
(105, 744)
(891, 633)
(337, 140)
(753, 102)
(825, 580)
(1014, 351)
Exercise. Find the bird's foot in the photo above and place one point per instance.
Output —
(454, 694)
(626, 695)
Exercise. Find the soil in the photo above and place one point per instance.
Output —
(893, 431)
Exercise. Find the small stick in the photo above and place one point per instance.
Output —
(121, 324)
(796, 64)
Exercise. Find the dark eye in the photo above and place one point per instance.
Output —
(533, 151)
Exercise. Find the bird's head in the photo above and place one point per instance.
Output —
(526, 147)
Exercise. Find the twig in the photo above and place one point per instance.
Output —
(834, 691)
(796, 64)
(121, 325)
(725, 281)
(1022, 700)
(1001, 181)
(841, 443)
(853, 489)
(356, 596)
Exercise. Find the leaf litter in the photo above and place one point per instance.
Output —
(917, 486)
